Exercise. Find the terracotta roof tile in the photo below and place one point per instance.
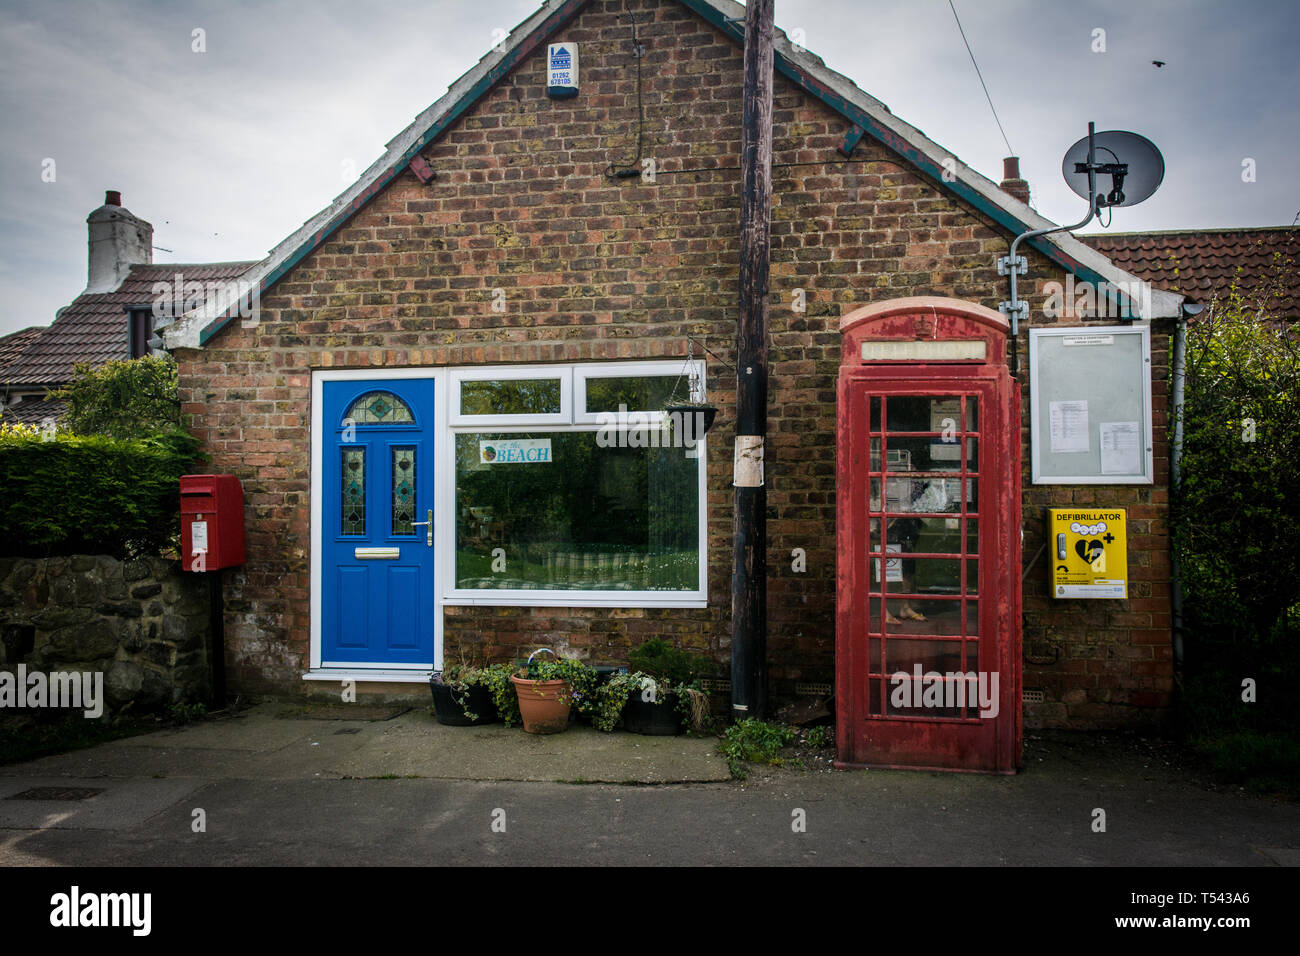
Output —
(1202, 263)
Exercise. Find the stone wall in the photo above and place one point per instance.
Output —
(143, 623)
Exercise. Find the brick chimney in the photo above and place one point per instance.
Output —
(118, 240)
(1011, 183)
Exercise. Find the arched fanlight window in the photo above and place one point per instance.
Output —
(380, 408)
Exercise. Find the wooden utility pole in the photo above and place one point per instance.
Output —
(749, 572)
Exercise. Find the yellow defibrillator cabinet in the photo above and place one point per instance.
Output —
(1089, 551)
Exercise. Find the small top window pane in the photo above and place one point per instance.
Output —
(517, 396)
(638, 393)
(380, 408)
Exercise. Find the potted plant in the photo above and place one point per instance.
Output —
(603, 704)
(666, 690)
(462, 696)
(547, 690)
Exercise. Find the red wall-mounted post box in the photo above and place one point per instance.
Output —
(212, 522)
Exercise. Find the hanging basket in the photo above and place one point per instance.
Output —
(703, 415)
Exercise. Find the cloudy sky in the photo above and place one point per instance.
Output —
(228, 151)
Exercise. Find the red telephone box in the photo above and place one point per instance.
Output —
(928, 661)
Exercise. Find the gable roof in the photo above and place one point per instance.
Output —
(93, 328)
(1203, 263)
(868, 115)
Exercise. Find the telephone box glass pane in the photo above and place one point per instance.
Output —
(972, 617)
(925, 576)
(875, 414)
(354, 491)
(972, 416)
(922, 413)
(904, 655)
(403, 490)
(907, 697)
(926, 535)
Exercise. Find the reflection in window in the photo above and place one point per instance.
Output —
(380, 408)
(639, 393)
(516, 396)
(573, 515)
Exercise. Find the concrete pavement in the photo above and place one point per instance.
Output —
(276, 785)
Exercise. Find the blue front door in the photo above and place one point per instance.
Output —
(377, 604)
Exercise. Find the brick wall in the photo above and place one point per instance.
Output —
(601, 269)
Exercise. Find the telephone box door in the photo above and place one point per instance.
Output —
(928, 650)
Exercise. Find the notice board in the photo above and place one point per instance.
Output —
(1090, 405)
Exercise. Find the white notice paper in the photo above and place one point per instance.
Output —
(1069, 426)
(1120, 451)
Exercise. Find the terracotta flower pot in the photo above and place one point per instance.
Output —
(543, 704)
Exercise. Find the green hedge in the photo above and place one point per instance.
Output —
(88, 494)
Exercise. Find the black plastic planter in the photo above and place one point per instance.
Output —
(702, 416)
(477, 700)
(660, 719)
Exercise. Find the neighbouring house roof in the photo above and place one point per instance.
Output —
(1204, 263)
(26, 410)
(14, 344)
(93, 328)
(865, 115)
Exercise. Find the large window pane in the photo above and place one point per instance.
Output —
(555, 510)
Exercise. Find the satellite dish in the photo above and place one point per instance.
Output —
(1128, 167)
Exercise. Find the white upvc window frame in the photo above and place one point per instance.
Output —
(573, 384)
(511, 373)
(689, 371)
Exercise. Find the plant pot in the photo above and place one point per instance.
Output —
(477, 699)
(702, 414)
(660, 719)
(544, 705)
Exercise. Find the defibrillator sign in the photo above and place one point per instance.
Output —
(1089, 551)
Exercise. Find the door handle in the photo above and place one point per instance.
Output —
(429, 524)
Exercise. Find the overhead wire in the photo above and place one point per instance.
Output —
(1010, 151)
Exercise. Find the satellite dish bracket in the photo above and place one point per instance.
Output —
(1014, 266)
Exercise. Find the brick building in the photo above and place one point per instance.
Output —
(491, 286)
